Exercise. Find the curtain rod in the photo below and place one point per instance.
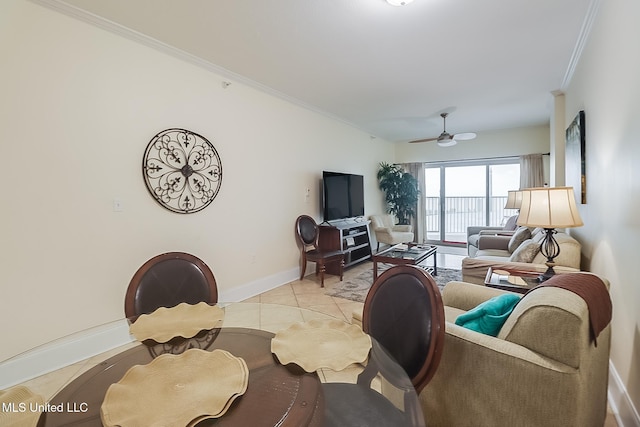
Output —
(484, 158)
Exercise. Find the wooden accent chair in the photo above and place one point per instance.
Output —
(404, 314)
(308, 233)
(167, 280)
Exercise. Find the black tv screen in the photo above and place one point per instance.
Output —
(343, 195)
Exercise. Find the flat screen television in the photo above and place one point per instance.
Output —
(343, 195)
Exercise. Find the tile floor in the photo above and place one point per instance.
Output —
(307, 293)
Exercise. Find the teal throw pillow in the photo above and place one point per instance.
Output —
(488, 317)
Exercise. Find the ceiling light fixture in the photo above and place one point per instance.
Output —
(399, 2)
(447, 142)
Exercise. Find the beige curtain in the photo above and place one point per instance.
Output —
(418, 222)
(531, 171)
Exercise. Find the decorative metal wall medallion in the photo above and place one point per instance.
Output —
(182, 170)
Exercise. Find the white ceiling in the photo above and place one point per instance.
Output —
(387, 70)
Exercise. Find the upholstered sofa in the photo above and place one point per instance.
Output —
(542, 368)
(475, 231)
(520, 251)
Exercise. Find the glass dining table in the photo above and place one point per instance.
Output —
(285, 353)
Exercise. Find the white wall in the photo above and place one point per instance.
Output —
(606, 85)
(78, 107)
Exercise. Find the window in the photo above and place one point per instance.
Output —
(460, 194)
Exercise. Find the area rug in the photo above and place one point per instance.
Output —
(356, 288)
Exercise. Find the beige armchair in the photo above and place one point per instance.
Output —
(542, 369)
(386, 230)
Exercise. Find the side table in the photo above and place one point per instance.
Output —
(514, 281)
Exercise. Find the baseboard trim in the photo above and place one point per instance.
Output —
(625, 412)
(64, 352)
(257, 287)
(80, 346)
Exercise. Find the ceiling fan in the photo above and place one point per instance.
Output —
(446, 139)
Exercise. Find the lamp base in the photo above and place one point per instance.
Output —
(547, 274)
(550, 249)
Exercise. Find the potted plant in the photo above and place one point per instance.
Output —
(401, 191)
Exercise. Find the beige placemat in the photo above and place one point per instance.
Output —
(183, 320)
(174, 390)
(317, 344)
(20, 407)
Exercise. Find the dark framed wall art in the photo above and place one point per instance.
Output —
(575, 175)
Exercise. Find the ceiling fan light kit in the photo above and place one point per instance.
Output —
(447, 142)
(399, 2)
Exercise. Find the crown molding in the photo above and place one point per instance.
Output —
(585, 30)
(140, 38)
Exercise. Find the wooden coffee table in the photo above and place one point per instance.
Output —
(410, 254)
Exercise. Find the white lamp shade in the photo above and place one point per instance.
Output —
(545, 207)
(514, 199)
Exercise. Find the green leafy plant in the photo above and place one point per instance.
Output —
(401, 191)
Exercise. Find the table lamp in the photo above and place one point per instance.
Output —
(549, 208)
(514, 199)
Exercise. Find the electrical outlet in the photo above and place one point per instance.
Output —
(117, 205)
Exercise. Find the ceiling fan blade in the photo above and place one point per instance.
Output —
(446, 139)
(464, 136)
(423, 140)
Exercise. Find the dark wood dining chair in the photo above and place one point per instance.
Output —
(167, 280)
(308, 234)
(404, 313)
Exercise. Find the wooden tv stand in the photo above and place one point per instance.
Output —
(350, 236)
